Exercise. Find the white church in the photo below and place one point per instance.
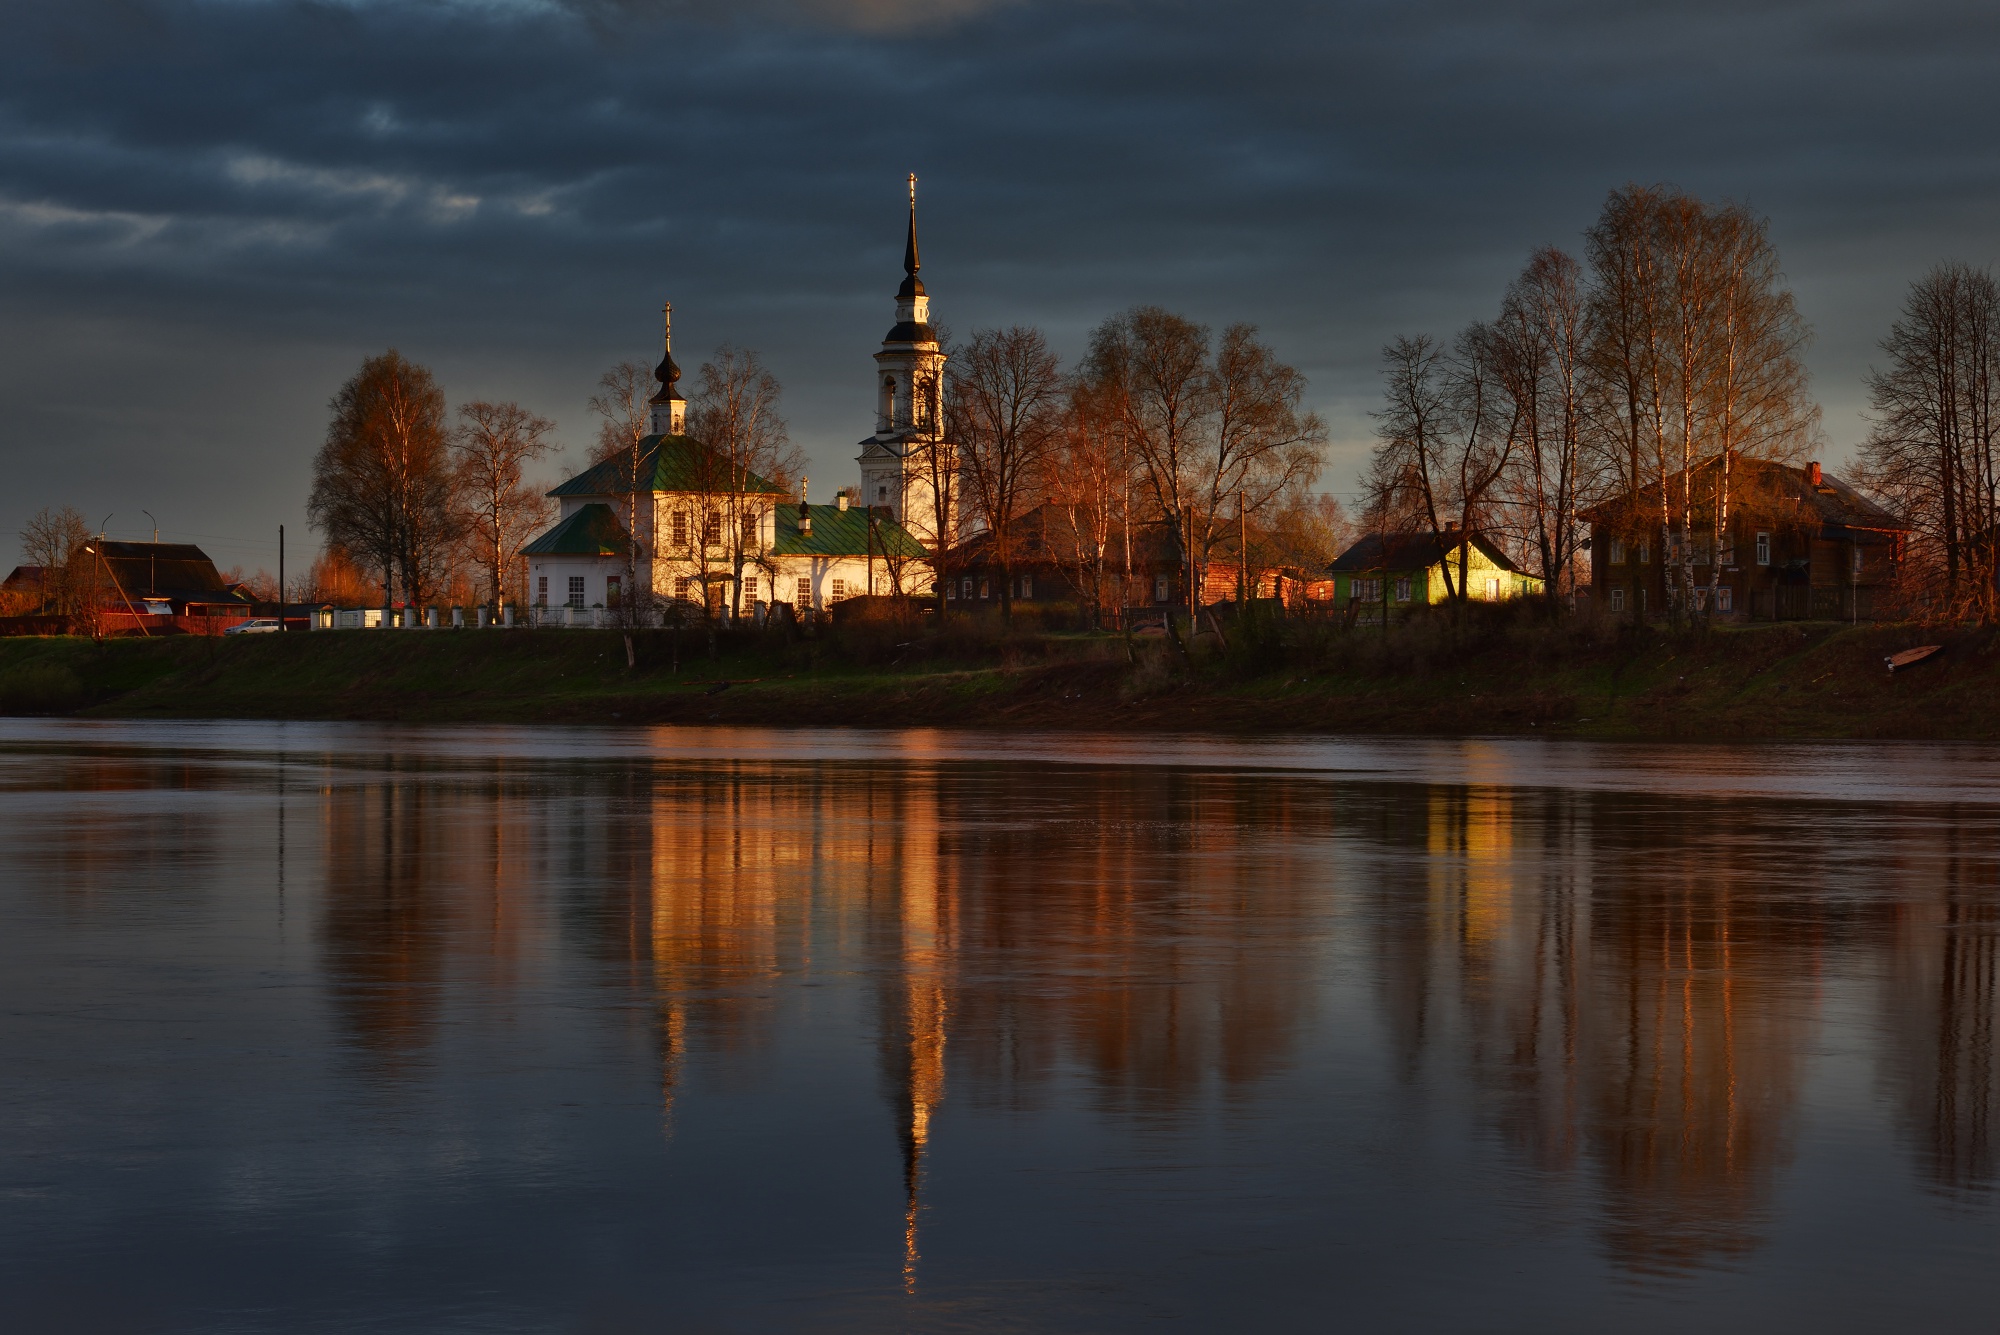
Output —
(737, 546)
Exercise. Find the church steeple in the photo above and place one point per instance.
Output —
(913, 286)
(669, 409)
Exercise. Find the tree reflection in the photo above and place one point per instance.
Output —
(1623, 992)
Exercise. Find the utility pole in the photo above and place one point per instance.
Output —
(281, 579)
(153, 561)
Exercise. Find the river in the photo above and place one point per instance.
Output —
(320, 1027)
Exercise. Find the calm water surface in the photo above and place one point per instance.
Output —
(340, 1028)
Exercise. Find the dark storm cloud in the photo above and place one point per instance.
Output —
(210, 211)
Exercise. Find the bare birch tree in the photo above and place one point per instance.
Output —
(1541, 343)
(1446, 437)
(1935, 441)
(54, 539)
(621, 402)
(1008, 390)
(734, 413)
(501, 511)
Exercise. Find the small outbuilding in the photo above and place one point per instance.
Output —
(1391, 573)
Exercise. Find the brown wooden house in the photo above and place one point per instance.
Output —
(1799, 544)
(1055, 560)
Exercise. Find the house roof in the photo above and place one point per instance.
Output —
(594, 530)
(838, 532)
(23, 577)
(1779, 491)
(666, 463)
(176, 570)
(1412, 551)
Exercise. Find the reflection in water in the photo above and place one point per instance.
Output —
(1617, 996)
(1939, 1003)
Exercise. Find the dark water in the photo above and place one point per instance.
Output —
(348, 1029)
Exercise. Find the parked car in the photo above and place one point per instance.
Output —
(260, 626)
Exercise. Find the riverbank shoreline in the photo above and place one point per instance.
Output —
(1794, 681)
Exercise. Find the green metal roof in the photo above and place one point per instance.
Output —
(838, 532)
(594, 530)
(666, 463)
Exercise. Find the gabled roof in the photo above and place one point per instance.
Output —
(1770, 490)
(838, 532)
(594, 530)
(178, 570)
(1045, 533)
(1412, 551)
(23, 577)
(666, 463)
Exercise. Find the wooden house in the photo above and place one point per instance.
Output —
(1393, 573)
(1799, 543)
(1059, 557)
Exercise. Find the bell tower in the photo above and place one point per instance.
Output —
(903, 461)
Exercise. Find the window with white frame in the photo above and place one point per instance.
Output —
(1402, 590)
(1618, 600)
(1701, 600)
(1763, 549)
(1617, 556)
(750, 589)
(747, 528)
(541, 591)
(1367, 590)
(1644, 551)
(1027, 586)
(1857, 559)
(805, 592)
(679, 528)
(839, 590)
(684, 588)
(985, 588)
(711, 531)
(965, 588)
(1159, 588)
(576, 591)
(1725, 600)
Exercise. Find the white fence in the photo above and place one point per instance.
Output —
(481, 618)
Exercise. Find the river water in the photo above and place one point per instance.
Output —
(344, 1028)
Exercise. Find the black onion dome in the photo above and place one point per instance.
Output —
(667, 372)
(910, 331)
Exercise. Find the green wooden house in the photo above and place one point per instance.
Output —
(1394, 572)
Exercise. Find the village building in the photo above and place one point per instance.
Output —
(164, 579)
(1058, 555)
(1394, 573)
(1799, 543)
(727, 541)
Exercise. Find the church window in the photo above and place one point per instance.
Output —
(576, 591)
(680, 528)
(881, 495)
(541, 591)
(711, 531)
(839, 590)
(748, 528)
(750, 588)
(805, 594)
(684, 588)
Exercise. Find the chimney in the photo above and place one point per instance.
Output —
(1812, 472)
(841, 500)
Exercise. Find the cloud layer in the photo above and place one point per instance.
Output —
(210, 211)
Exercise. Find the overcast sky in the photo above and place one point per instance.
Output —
(212, 210)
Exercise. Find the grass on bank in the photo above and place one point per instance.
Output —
(1480, 669)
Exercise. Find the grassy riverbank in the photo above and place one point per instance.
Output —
(1485, 674)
